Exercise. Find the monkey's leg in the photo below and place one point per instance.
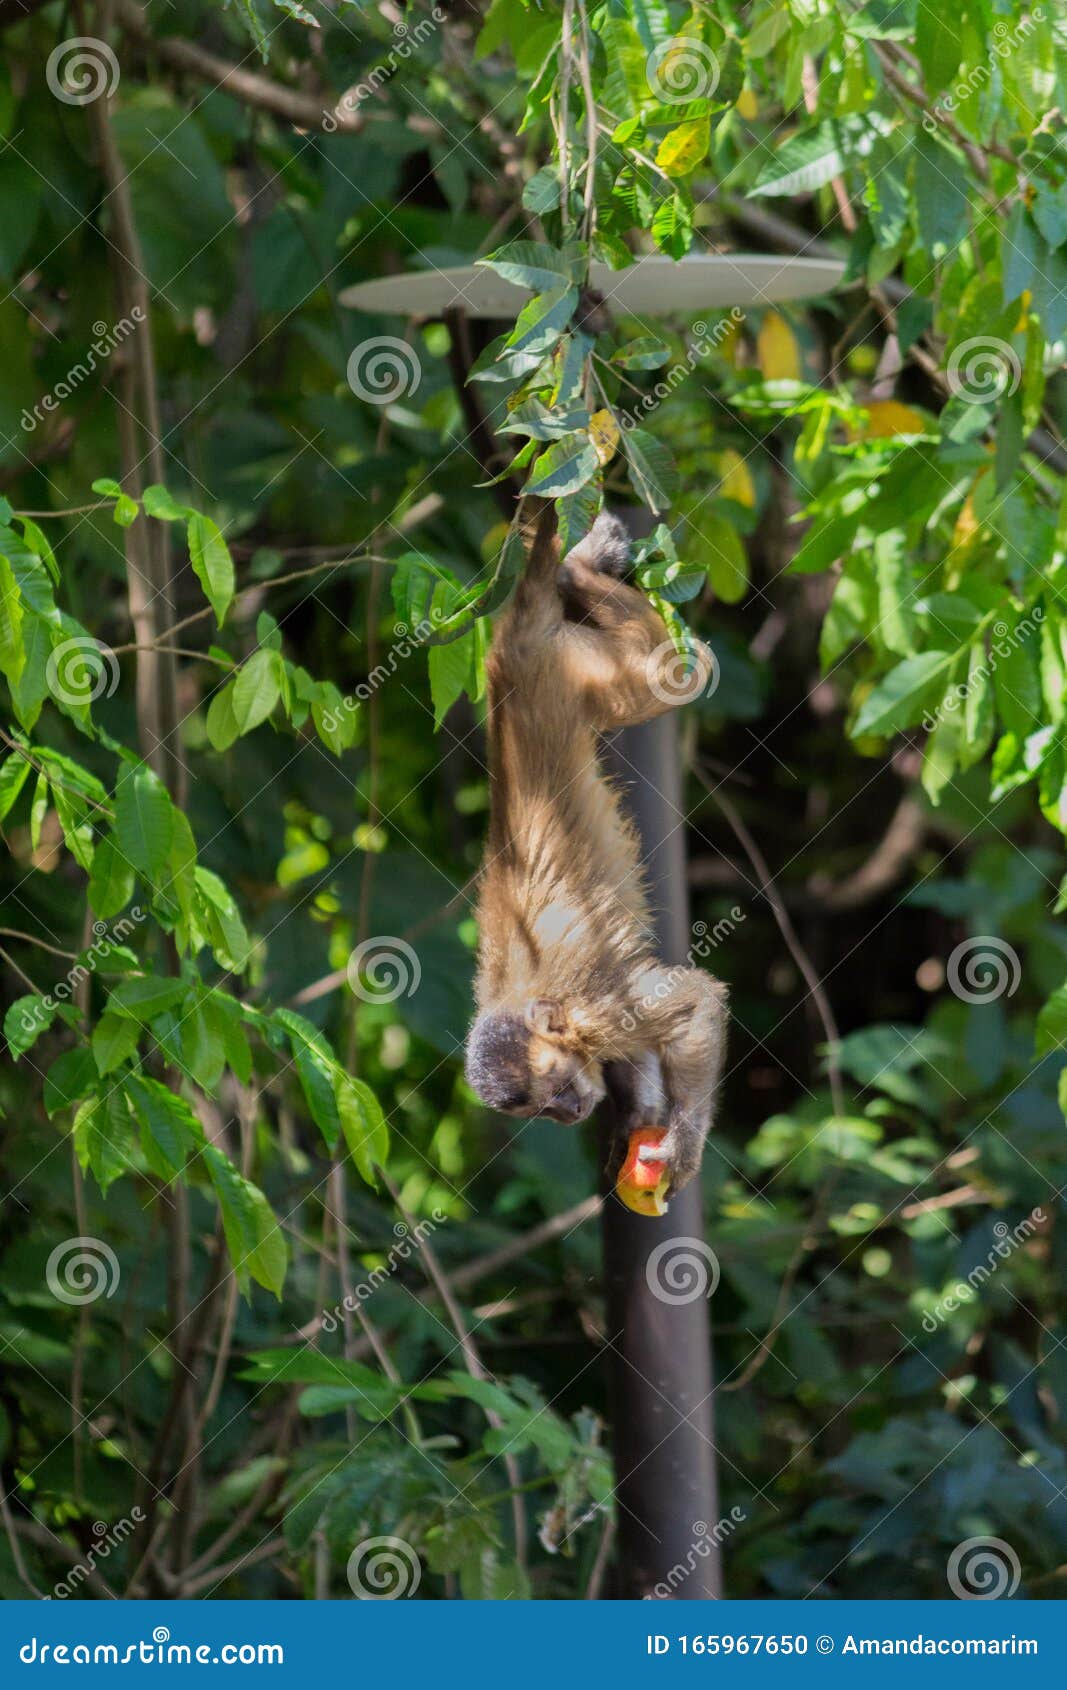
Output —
(687, 1014)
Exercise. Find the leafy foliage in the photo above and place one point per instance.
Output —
(858, 502)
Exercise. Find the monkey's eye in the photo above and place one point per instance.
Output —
(516, 1100)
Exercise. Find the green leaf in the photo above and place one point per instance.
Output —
(316, 1066)
(651, 468)
(803, 163)
(146, 995)
(212, 563)
(12, 652)
(26, 1019)
(111, 881)
(170, 1129)
(541, 323)
(115, 1038)
(535, 266)
(672, 224)
(254, 1237)
(938, 43)
(228, 936)
(38, 809)
(144, 821)
(256, 689)
(222, 727)
(565, 467)
(896, 591)
(717, 547)
(541, 193)
(362, 1123)
(1016, 677)
(452, 671)
(103, 1138)
(160, 504)
(942, 197)
(71, 1077)
(900, 697)
(645, 353)
(203, 1034)
(12, 780)
(1051, 1032)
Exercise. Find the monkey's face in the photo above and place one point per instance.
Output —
(526, 1064)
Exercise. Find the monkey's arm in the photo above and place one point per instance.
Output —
(638, 1099)
(618, 646)
(685, 1012)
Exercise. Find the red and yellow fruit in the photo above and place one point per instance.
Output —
(642, 1186)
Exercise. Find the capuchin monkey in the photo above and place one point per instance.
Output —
(572, 1000)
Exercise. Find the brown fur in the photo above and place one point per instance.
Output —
(568, 977)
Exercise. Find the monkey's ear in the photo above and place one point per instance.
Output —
(545, 1015)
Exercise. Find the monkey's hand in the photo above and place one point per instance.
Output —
(681, 1149)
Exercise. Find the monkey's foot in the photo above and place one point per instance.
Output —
(681, 1149)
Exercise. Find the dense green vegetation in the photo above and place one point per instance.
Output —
(267, 1289)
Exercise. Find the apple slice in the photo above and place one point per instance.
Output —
(642, 1186)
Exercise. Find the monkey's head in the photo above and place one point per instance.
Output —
(527, 1062)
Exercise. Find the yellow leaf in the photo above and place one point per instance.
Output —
(682, 149)
(965, 536)
(777, 350)
(735, 480)
(888, 417)
(747, 104)
(966, 523)
(604, 433)
(1024, 311)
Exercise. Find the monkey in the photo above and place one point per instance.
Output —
(571, 998)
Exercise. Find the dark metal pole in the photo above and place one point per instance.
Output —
(659, 1360)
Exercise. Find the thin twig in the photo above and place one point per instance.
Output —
(789, 934)
(30, 939)
(474, 1365)
(16, 1550)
